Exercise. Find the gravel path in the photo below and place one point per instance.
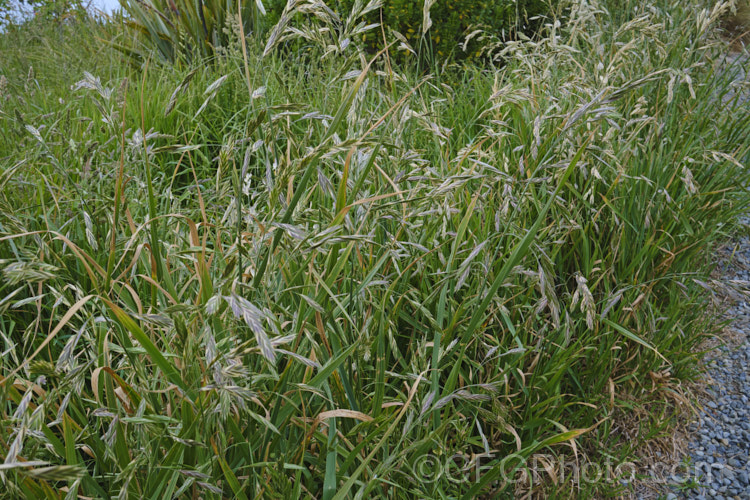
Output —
(739, 63)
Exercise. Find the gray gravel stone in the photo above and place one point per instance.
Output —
(721, 433)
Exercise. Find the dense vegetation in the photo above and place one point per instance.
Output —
(299, 268)
(185, 30)
(435, 27)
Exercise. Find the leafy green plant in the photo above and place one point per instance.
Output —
(188, 29)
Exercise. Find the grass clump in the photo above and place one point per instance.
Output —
(325, 274)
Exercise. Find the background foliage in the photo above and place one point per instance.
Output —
(436, 30)
(189, 30)
(451, 22)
